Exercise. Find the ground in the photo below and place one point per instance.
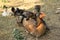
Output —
(7, 24)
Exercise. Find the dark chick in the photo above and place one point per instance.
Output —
(19, 12)
(13, 10)
(37, 10)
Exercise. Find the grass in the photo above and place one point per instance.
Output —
(52, 19)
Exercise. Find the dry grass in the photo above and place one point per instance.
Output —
(19, 3)
(52, 19)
